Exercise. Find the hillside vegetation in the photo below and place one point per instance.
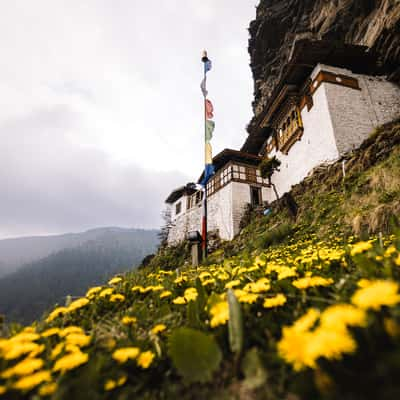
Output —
(304, 307)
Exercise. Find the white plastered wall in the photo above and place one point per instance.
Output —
(316, 146)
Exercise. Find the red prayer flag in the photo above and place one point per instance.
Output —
(209, 109)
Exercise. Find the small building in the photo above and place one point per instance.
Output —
(236, 183)
(327, 102)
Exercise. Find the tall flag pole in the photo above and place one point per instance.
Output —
(209, 126)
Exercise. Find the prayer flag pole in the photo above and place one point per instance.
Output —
(204, 243)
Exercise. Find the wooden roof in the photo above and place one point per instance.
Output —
(304, 57)
(179, 192)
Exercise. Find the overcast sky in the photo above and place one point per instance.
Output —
(100, 107)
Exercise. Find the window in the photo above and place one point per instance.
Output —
(178, 208)
(255, 196)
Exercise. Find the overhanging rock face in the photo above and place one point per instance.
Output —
(279, 23)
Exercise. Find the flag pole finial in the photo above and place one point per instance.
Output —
(204, 56)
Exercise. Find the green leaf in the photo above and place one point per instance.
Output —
(194, 354)
(235, 323)
(253, 370)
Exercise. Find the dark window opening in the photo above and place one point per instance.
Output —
(255, 194)
(178, 208)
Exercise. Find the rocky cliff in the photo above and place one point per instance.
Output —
(278, 23)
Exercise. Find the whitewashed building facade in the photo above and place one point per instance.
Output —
(327, 102)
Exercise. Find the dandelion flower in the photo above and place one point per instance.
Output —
(165, 293)
(179, 300)
(232, 284)
(276, 301)
(128, 320)
(31, 381)
(70, 361)
(360, 247)
(145, 359)
(379, 293)
(48, 389)
(124, 354)
(191, 294)
(78, 339)
(93, 291)
(312, 281)
(219, 313)
(115, 280)
(158, 328)
(50, 332)
(116, 298)
(25, 367)
(77, 304)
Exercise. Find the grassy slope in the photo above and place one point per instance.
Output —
(317, 243)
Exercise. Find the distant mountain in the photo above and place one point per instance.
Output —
(28, 292)
(19, 251)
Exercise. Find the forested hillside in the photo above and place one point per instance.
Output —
(27, 293)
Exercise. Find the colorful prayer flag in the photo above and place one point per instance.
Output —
(207, 66)
(203, 87)
(209, 109)
(210, 125)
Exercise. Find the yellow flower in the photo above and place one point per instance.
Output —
(145, 359)
(158, 328)
(219, 313)
(18, 349)
(360, 247)
(311, 281)
(137, 288)
(339, 316)
(165, 293)
(70, 329)
(389, 251)
(262, 285)
(190, 294)
(379, 293)
(31, 381)
(93, 291)
(179, 300)
(79, 303)
(57, 350)
(70, 361)
(115, 280)
(25, 337)
(56, 313)
(276, 301)
(363, 283)
(124, 354)
(48, 389)
(25, 367)
(117, 298)
(78, 339)
(50, 332)
(249, 298)
(127, 320)
(106, 292)
(110, 385)
(232, 284)
(397, 260)
(286, 272)
(3, 389)
(180, 279)
(157, 288)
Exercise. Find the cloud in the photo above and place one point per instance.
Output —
(101, 106)
(50, 185)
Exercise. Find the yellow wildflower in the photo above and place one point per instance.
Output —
(145, 359)
(70, 361)
(389, 251)
(312, 281)
(219, 313)
(379, 293)
(397, 260)
(25, 337)
(158, 328)
(204, 274)
(115, 280)
(363, 283)
(110, 384)
(77, 304)
(78, 339)
(360, 247)
(339, 316)
(190, 294)
(124, 354)
(25, 367)
(249, 298)
(127, 320)
(31, 381)
(179, 300)
(70, 329)
(262, 285)
(50, 332)
(93, 291)
(137, 288)
(208, 282)
(232, 284)
(157, 288)
(117, 298)
(18, 349)
(276, 301)
(57, 350)
(48, 389)
(286, 272)
(165, 293)
(38, 350)
(180, 279)
(106, 292)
